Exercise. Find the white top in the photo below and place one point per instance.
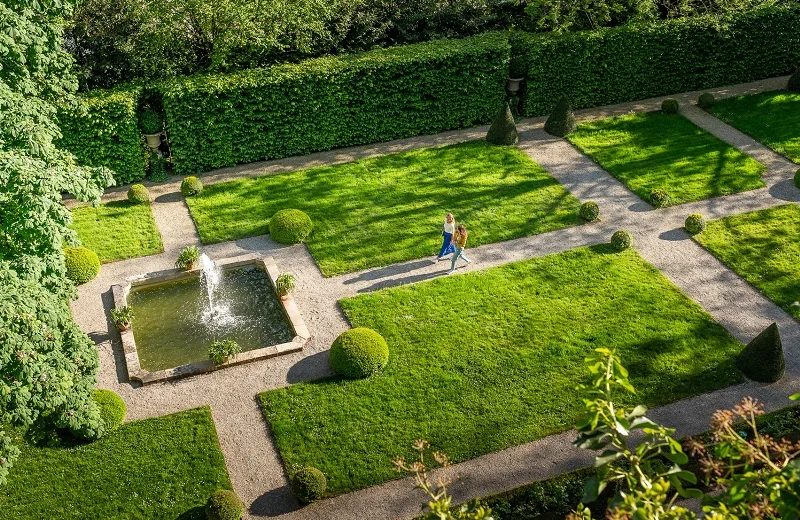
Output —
(449, 227)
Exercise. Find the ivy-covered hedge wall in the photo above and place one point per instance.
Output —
(103, 130)
(223, 120)
(607, 66)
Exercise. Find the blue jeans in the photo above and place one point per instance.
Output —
(459, 253)
(447, 246)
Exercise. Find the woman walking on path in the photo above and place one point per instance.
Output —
(447, 234)
(459, 241)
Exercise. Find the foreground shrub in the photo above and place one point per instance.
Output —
(589, 211)
(695, 223)
(797, 178)
(561, 121)
(309, 484)
(222, 350)
(82, 263)
(359, 353)
(706, 100)
(503, 130)
(191, 186)
(794, 81)
(670, 106)
(224, 505)
(188, 258)
(138, 194)
(112, 409)
(659, 198)
(621, 240)
(150, 122)
(290, 226)
(762, 359)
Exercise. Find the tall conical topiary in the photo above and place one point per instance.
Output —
(794, 81)
(561, 121)
(503, 130)
(762, 359)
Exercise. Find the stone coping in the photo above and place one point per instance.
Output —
(137, 373)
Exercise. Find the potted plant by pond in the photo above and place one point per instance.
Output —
(122, 316)
(285, 284)
(152, 126)
(188, 258)
(220, 351)
(516, 73)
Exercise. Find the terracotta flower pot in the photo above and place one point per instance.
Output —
(123, 326)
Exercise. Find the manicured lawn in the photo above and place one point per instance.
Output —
(117, 230)
(388, 209)
(772, 118)
(763, 247)
(667, 151)
(157, 468)
(483, 361)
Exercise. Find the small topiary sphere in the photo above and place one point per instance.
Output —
(670, 106)
(797, 178)
(309, 484)
(224, 505)
(138, 194)
(358, 353)
(112, 408)
(82, 264)
(191, 186)
(290, 226)
(659, 198)
(589, 211)
(621, 240)
(706, 100)
(695, 223)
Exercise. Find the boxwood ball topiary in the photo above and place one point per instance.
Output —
(309, 484)
(561, 121)
(621, 240)
(290, 226)
(503, 130)
(797, 178)
(82, 264)
(706, 100)
(358, 353)
(695, 223)
(112, 408)
(589, 211)
(191, 186)
(762, 359)
(659, 198)
(794, 82)
(224, 505)
(138, 194)
(670, 106)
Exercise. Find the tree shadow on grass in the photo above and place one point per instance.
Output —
(195, 513)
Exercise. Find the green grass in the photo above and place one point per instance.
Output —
(772, 118)
(389, 209)
(667, 151)
(487, 360)
(117, 230)
(162, 468)
(763, 248)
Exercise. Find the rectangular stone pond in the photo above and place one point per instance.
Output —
(175, 321)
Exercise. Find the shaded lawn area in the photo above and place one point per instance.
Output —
(165, 467)
(669, 152)
(487, 360)
(379, 211)
(773, 118)
(117, 230)
(763, 247)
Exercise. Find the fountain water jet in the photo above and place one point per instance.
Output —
(216, 314)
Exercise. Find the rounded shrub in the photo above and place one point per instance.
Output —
(621, 240)
(191, 186)
(309, 484)
(706, 100)
(82, 264)
(224, 505)
(670, 106)
(589, 211)
(695, 223)
(358, 353)
(659, 198)
(138, 194)
(797, 178)
(290, 226)
(112, 408)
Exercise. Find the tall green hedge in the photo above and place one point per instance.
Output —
(222, 120)
(595, 68)
(103, 130)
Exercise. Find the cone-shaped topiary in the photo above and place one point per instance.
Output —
(706, 100)
(670, 106)
(309, 484)
(621, 240)
(561, 121)
(290, 226)
(138, 194)
(112, 409)
(358, 353)
(797, 178)
(794, 82)
(503, 130)
(589, 211)
(224, 505)
(191, 186)
(695, 223)
(82, 264)
(762, 359)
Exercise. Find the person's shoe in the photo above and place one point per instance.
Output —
(435, 260)
(451, 271)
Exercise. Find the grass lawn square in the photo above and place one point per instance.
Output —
(379, 211)
(669, 152)
(772, 118)
(763, 247)
(165, 467)
(117, 230)
(483, 361)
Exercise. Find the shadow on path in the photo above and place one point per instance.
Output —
(388, 271)
(309, 368)
(274, 502)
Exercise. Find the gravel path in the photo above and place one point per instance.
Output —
(254, 463)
